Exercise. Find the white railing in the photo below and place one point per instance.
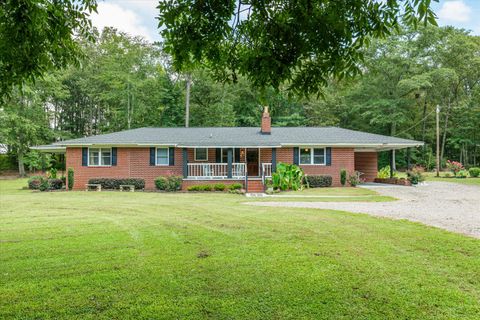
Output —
(266, 171)
(215, 170)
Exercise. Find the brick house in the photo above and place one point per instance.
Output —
(228, 154)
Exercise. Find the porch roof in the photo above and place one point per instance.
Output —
(241, 137)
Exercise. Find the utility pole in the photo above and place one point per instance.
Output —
(187, 100)
(438, 140)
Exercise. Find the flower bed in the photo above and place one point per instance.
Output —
(397, 181)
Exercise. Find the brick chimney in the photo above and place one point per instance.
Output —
(266, 122)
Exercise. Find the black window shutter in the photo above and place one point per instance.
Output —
(237, 155)
(152, 156)
(328, 152)
(295, 155)
(218, 155)
(171, 156)
(114, 156)
(84, 156)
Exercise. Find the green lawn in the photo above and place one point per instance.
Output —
(431, 176)
(328, 195)
(112, 255)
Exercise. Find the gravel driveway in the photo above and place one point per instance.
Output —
(451, 206)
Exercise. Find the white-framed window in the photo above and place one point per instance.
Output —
(100, 157)
(225, 155)
(312, 156)
(201, 154)
(162, 157)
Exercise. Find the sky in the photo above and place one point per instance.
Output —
(137, 17)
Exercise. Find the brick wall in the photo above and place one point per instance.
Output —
(135, 163)
(367, 163)
(342, 158)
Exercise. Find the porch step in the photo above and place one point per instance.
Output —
(255, 186)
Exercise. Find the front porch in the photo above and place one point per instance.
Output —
(231, 163)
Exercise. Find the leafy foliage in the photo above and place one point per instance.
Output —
(343, 177)
(354, 179)
(37, 36)
(298, 43)
(114, 183)
(170, 183)
(200, 187)
(318, 181)
(288, 177)
(415, 175)
(474, 172)
(70, 178)
(35, 182)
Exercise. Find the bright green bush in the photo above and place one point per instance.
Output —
(462, 174)
(474, 172)
(70, 174)
(235, 186)
(219, 187)
(288, 177)
(343, 177)
(200, 187)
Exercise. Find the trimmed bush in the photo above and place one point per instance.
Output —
(70, 175)
(53, 173)
(474, 172)
(161, 183)
(219, 187)
(64, 180)
(55, 184)
(235, 186)
(343, 177)
(114, 183)
(462, 174)
(170, 183)
(318, 181)
(35, 182)
(44, 186)
(200, 187)
(354, 179)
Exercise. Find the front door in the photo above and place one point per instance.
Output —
(252, 162)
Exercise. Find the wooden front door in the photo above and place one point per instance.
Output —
(252, 162)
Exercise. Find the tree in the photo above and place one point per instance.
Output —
(39, 35)
(295, 42)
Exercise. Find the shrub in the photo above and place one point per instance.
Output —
(200, 187)
(415, 175)
(70, 174)
(174, 183)
(462, 174)
(114, 183)
(319, 181)
(474, 172)
(288, 177)
(354, 179)
(44, 186)
(235, 186)
(35, 182)
(384, 173)
(53, 173)
(64, 180)
(55, 184)
(343, 177)
(170, 183)
(454, 166)
(219, 187)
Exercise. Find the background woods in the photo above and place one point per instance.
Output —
(125, 82)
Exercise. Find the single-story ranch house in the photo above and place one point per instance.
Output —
(231, 154)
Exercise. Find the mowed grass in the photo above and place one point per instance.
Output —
(432, 176)
(346, 194)
(112, 255)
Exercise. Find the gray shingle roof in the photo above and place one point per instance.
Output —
(241, 137)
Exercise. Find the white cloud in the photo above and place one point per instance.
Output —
(123, 19)
(455, 11)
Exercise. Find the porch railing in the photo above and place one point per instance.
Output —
(266, 171)
(215, 170)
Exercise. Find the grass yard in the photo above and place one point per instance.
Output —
(431, 176)
(112, 255)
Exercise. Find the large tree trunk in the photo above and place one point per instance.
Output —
(444, 138)
(21, 166)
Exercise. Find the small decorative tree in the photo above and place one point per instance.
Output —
(454, 167)
(288, 177)
(343, 177)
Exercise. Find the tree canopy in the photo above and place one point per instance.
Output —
(40, 35)
(298, 43)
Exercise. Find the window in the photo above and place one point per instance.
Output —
(162, 157)
(99, 157)
(312, 156)
(201, 154)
